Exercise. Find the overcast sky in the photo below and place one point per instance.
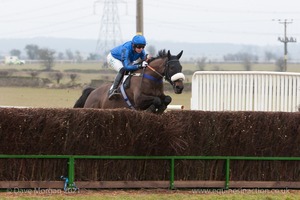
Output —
(226, 21)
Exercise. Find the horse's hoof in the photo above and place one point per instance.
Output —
(151, 109)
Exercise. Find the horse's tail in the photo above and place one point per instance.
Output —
(81, 101)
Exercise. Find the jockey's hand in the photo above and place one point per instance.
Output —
(143, 65)
(148, 57)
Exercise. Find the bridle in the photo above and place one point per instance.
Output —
(165, 74)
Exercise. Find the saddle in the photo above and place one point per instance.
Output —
(127, 78)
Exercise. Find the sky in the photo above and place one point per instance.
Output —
(257, 22)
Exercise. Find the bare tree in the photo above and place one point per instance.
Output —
(201, 62)
(247, 63)
(280, 64)
(34, 74)
(32, 51)
(73, 77)
(57, 76)
(242, 57)
(92, 56)
(47, 56)
(69, 54)
(269, 55)
(15, 52)
(60, 56)
(78, 57)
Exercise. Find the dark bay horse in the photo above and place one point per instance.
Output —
(143, 89)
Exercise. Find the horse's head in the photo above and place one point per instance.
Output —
(173, 72)
(168, 66)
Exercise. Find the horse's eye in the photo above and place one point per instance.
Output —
(172, 67)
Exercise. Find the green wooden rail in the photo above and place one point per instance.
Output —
(227, 159)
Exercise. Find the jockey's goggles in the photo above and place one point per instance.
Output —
(139, 46)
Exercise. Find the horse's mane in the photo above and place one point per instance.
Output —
(161, 54)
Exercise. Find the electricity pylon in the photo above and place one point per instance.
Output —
(110, 31)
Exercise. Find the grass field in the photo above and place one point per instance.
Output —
(59, 98)
(65, 98)
(38, 97)
(292, 67)
(85, 77)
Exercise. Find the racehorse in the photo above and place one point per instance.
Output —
(142, 89)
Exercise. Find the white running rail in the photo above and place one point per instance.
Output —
(245, 91)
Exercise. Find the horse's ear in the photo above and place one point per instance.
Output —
(179, 55)
(169, 55)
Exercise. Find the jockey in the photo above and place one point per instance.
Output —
(126, 58)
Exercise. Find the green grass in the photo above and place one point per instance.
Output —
(181, 99)
(38, 97)
(59, 98)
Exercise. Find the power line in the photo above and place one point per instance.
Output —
(40, 17)
(44, 28)
(34, 10)
(285, 40)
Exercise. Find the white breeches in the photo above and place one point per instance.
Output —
(114, 63)
(117, 64)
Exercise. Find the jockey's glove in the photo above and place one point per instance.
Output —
(147, 57)
(144, 64)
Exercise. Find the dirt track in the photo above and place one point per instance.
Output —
(143, 193)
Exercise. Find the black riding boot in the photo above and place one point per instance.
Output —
(113, 91)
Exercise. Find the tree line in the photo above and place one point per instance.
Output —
(47, 55)
(247, 59)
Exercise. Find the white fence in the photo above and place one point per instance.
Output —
(245, 91)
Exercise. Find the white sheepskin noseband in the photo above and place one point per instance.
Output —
(178, 76)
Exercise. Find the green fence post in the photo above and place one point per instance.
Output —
(227, 173)
(172, 173)
(71, 171)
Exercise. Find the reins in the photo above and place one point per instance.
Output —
(155, 71)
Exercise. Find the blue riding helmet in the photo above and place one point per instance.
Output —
(139, 39)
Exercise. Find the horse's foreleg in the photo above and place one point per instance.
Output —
(148, 103)
(156, 103)
(166, 101)
(151, 109)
